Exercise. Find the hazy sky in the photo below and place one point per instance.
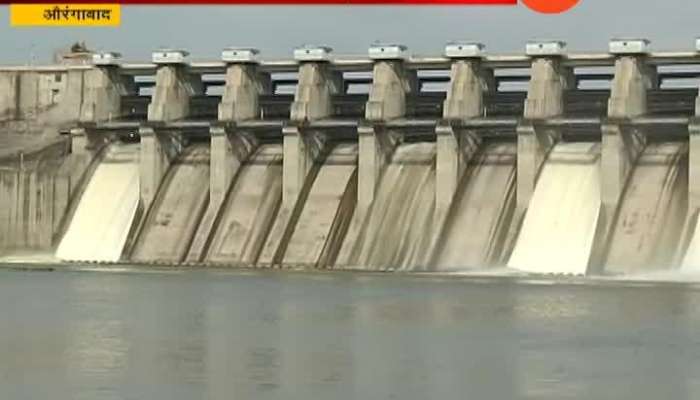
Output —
(204, 30)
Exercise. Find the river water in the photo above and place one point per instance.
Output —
(188, 334)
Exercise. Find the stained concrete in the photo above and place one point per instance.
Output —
(35, 100)
(392, 235)
(35, 191)
(244, 85)
(175, 214)
(103, 91)
(483, 206)
(326, 212)
(301, 150)
(648, 225)
(464, 100)
(249, 210)
(228, 152)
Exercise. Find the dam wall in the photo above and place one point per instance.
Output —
(41, 99)
(26, 94)
(34, 195)
(543, 162)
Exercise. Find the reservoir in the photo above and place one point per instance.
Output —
(219, 334)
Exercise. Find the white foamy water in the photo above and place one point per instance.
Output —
(396, 232)
(103, 218)
(559, 228)
(479, 215)
(250, 209)
(326, 210)
(647, 229)
(177, 209)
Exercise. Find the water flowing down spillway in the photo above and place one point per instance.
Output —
(481, 211)
(177, 209)
(650, 217)
(691, 259)
(396, 232)
(326, 212)
(103, 217)
(559, 228)
(250, 209)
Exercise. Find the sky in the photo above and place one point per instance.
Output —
(276, 30)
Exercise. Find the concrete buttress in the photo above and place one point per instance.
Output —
(465, 100)
(545, 99)
(170, 102)
(102, 94)
(391, 83)
(230, 147)
(621, 146)
(317, 83)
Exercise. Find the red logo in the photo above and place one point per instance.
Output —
(550, 6)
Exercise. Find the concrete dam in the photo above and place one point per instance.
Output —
(546, 162)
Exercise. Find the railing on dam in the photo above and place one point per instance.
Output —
(673, 90)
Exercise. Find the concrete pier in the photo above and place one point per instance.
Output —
(301, 147)
(230, 146)
(621, 146)
(312, 101)
(686, 254)
(455, 147)
(694, 159)
(391, 83)
(244, 85)
(158, 149)
(228, 152)
(104, 88)
(170, 102)
(545, 99)
(174, 88)
(694, 164)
